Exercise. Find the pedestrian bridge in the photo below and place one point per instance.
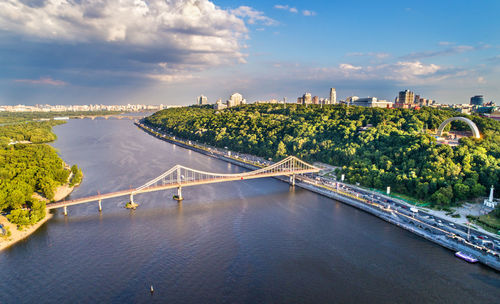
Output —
(180, 176)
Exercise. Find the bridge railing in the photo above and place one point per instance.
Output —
(180, 174)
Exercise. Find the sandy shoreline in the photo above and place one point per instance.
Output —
(18, 235)
(61, 192)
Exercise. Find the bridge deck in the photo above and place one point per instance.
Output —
(93, 198)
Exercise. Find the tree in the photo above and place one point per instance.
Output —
(443, 196)
(281, 151)
(461, 191)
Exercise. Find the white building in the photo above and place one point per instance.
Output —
(235, 99)
(371, 102)
(219, 105)
(333, 96)
(351, 99)
(202, 100)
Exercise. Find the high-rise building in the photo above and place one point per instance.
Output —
(315, 100)
(477, 100)
(235, 99)
(305, 99)
(406, 97)
(202, 100)
(333, 96)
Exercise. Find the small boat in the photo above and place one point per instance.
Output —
(466, 257)
(152, 290)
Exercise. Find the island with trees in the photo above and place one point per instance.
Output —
(374, 147)
(31, 174)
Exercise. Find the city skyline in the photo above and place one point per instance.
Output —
(166, 52)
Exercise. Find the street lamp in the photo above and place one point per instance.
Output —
(468, 231)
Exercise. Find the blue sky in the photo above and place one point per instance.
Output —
(157, 51)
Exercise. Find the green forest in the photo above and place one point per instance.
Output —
(34, 132)
(15, 117)
(29, 167)
(374, 147)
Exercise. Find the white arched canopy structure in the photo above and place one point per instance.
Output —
(472, 125)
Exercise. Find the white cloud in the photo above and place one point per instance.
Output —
(43, 81)
(308, 13)
(349, 67)
(253, 15)
(192, 32)
(415, 68)
(411, 72)
(369, 54)
(170, 77)
(451, 50)
(286, 8)
(445, 43)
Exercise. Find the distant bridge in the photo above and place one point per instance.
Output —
(115, 116)
(180, 176)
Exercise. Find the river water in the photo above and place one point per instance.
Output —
(255, 241)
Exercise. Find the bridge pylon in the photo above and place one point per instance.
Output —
(131, 204)
(178, 197)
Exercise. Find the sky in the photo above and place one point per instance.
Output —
(171, 51)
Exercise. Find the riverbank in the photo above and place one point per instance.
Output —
(18, 235)
(425, 229)
(60, 193)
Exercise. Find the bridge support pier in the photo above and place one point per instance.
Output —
(292, 179)
(130, 205)
(178, 197)
(65, 210)
(100, 206)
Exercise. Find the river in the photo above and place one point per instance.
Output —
(252, 241)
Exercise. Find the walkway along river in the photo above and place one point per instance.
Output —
(359, 198)
(255, 241)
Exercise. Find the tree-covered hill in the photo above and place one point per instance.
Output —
(34, 132)
(375, 147)
(13, 117)
(29, 168)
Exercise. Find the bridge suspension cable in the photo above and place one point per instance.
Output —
(181, 175)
